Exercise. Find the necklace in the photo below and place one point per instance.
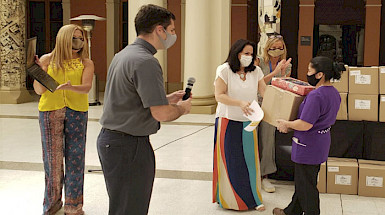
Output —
(242, 75)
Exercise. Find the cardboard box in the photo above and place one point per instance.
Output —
(280, 104)
(381, 118)
(382, 80)
(363, 107)
(293, 85)
(342, 85)
(343, 111)
(363, 80)
(321, 179)
(371, 178)
(342, 176)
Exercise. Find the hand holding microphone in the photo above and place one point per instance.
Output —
(190, 83)
(185, 103)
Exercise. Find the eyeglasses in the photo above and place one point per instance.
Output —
(275, 36)
(273, 49)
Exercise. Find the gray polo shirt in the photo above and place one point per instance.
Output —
(134, 84)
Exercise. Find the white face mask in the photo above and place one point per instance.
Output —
(169, 41)
(246, 60)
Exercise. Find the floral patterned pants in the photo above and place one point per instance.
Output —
(63, 135)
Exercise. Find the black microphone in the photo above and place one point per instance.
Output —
(190, 83)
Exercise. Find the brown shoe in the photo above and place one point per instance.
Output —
(278, 211)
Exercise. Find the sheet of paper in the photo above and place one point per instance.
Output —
(255, 117)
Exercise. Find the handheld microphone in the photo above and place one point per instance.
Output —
(190, 83)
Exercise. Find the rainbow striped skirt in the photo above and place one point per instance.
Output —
(236, 174)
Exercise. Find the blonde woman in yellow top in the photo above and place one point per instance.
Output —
(63, 117)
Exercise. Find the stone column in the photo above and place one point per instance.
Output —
(112, 40)
(372, 33)
(12, 52)
(305, 34)
(133, 8)
(207, 42)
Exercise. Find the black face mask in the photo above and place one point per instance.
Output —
(312, 80)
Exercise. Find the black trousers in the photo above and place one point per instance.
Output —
(306, 195)
(128, 164)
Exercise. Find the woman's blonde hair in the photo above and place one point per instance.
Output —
(269, 44)
(63, 47)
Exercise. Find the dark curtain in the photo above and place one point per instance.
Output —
(289, 31)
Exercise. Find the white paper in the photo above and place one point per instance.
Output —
(372, 181)
(252, 126)
(255, 117)
(343, 179)
(382, 98)
(363, 79)
(355, 72)
(333, 169)
(362, 104)
(382, 70)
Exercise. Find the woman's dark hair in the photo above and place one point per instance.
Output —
(328, 67)
(233, 59)
(149, 16)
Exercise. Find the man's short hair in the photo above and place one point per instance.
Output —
(149, 16)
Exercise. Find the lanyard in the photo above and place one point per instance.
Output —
(271, 67)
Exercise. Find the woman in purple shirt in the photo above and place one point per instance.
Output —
(311, 139)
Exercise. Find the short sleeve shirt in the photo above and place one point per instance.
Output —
(319, 108)
(236, 88)
(134, 84)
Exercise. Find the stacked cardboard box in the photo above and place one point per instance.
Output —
(363, 93)
(349, 176)
(321, 180)
(382, 94)
(342, 86)
(342, 176)
(371, 178)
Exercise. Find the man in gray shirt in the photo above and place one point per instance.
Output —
(134, 104)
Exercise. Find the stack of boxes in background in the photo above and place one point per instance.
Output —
(359, 88)
(362, 91)
(382, 94)
(349, 176)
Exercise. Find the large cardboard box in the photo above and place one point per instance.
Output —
(321, 179)
(342, 85)
(342, 176)
(382, 80)
(363, 107)
(343, 111)
(371, 178)
(381, 118)
(280, 104)
(363, 80)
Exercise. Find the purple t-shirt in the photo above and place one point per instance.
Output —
(319, 108)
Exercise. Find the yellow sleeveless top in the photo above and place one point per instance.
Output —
(73, 71)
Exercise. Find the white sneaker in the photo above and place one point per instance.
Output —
(267, 186)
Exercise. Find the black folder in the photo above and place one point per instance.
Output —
(35, 70)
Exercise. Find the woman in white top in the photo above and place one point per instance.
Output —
(236, 175)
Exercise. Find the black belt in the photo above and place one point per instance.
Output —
(122, 133)
(115, 131)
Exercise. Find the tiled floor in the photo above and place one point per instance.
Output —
(183, 151)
